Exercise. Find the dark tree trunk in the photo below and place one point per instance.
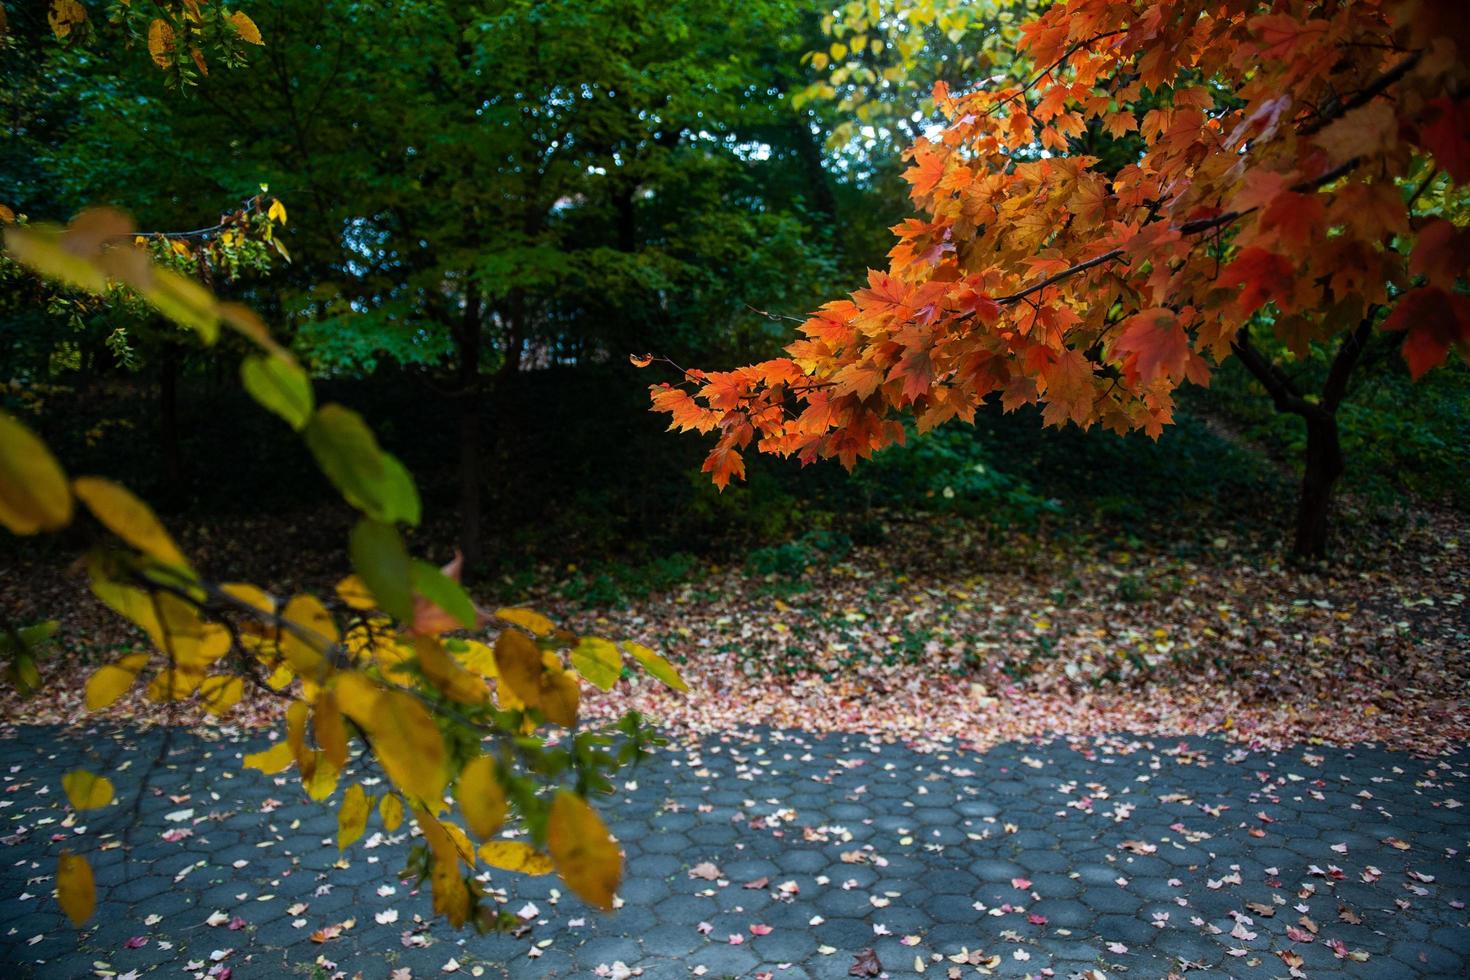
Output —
(809, 150)
(1322, 466)
(1324, 461)
(469, 434)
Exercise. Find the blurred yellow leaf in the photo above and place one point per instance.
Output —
(452, 680)
(272, 760)
(518, 662)
(351, 816)
(584, 852)
(481, 798)
(129, 518)
(390, 808)
(111, 681)
(513, 855)
(76, 890)
(354, 593)
(305, 650)
(403, 736)
(656, 665)
(87, 790)
(598, 660)
(527, 618)
(220, 693)
(33, 491)
(331, 733)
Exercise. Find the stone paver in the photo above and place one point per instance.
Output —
(1134, 857)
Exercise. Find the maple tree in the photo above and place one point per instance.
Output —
(1282, 150)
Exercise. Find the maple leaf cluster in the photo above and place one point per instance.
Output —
(1276, 142)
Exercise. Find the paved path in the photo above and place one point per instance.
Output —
(1134, 858)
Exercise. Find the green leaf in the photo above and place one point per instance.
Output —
(368, 478)
(381, 561)
(279, 384)
(598, 660)
(443, 592)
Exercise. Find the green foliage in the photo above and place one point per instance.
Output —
(950, 470)
(794, 557)
(1397, 435)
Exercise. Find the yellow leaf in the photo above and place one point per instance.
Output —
(402, 734)
(251, 595)
(272, 760)
(518, 661)
(76, 890)
(451, 895)
(296, 713)
(444, 673)
(527, 618)
(583, 851)
(331, 734)
(220, 693)
(87, 790)
(351, 816)
(276, 212)
(161, 43)
(476, 657)
(319, 776)
(461, 841)
(304, 648)
(63, 16)
(111, 681)
(33, 491)
(598, 660)
(354, 593)
(559, 692)
(656, 665)
(245, 27)
(514, 855)
(129, 518)
(390, 808)
(174, 684)
(481, 798)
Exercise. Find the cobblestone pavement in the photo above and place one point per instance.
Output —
(1129, 857)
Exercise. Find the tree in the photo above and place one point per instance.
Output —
(1276, 189)
(509, 184)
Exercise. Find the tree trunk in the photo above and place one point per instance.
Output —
(469, 434)
(1323, 465)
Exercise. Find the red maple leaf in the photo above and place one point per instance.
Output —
(1433, 319)
(1447, 136)
(1156, 343)
(1262, 276)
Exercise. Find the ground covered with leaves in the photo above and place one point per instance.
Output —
(947, 628)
